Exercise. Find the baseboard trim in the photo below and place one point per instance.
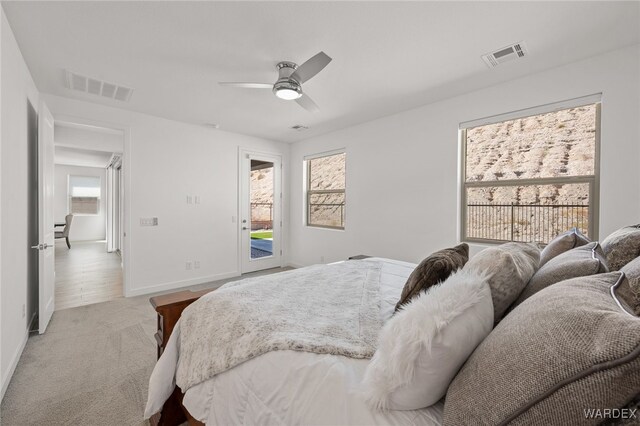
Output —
(6, 379)
(176, 285)
(294, 265)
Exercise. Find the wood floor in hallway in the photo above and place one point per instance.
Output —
(86, 274)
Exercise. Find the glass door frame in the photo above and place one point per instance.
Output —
(246, 262)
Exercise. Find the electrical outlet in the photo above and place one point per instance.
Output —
(196, 264)
(189, 199)
(321, 259)
(196, 199)
(24, 310)
(187, 266)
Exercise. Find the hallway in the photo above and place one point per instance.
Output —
(86, 274)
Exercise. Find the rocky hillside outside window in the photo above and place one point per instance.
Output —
(532, 177)
(325, 187)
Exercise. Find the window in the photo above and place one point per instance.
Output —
(84, 195)
(531, 178)
(326, 190)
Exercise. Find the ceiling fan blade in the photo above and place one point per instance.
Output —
(307, 103)
(310, 68)
(247, 85)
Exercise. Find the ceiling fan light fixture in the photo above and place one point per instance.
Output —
(288, 94)
(287, 90)
(290, 80)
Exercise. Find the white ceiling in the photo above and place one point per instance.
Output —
(387, 56)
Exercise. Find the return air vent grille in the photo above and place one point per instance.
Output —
(506, 54)
(299, 128)
(98, 87)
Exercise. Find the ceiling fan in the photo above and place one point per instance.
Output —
(290, 79)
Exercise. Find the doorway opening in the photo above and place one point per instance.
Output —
(88, 213)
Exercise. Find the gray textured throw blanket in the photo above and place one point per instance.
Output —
(326, 309)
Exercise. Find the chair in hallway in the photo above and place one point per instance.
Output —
(65, 231)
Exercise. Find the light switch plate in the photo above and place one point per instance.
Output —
(148, 221)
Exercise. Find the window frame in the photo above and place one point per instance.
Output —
(70, 197)
(592, 180)
(310, 192)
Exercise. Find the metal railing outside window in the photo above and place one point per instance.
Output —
(525, 223)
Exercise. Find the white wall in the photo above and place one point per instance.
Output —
(83, 228)
(164, 161)
(402, 170)
(2, 368)
(17, 90)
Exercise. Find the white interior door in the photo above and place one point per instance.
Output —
(46, 244)
(120, 208)
(260, 211)
(113, 204)
(110, 209)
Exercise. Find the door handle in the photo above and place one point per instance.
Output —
(244, 228)
(41, 246)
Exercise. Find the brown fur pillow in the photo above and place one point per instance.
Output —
(432, 270)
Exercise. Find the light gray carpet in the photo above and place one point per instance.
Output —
(91, 367)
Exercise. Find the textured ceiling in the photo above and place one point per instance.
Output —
(387, 56)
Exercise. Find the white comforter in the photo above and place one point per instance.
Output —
(289, 387)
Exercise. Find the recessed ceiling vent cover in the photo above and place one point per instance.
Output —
(97, 87)
(506, 54)
(299, 128)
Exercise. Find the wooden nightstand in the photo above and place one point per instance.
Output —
(169, 307)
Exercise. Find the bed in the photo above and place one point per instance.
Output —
(286, 386)
(494, 339)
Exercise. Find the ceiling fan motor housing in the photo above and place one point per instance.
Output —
(286, 85)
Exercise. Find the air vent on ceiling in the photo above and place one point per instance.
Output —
(506, 54)
(299, 128)
(98, 87)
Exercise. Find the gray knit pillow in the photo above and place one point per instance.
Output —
(562, 243)
(434, 269)
(629, 290)
(622, 246)
(568, 348)
(578, 262)
(508, 268)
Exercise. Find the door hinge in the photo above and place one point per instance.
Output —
(280, 252)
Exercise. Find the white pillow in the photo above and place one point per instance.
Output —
(422, 347)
